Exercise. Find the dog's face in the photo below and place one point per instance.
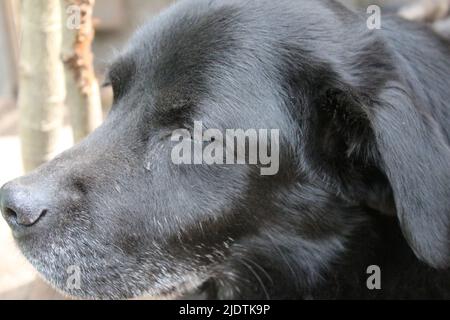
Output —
(121, 211)
(117, 208)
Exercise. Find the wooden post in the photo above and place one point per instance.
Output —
(83, 94)
(41, 81)
(9, 43)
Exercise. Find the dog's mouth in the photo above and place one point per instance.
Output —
(53, 263)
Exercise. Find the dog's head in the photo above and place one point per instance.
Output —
(353, 139)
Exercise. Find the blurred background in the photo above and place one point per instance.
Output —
(25, 142)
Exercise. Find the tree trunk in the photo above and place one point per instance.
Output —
(41, 81)
(9, 43)
(83, 94)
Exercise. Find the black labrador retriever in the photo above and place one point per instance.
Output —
(364, 163)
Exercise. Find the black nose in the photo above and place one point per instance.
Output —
(20, 207)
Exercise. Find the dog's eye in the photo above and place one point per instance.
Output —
(119, 77)
(114, 85)
(117, 88)
(201, 140)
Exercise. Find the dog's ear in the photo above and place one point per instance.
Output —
(407, 145)
(415, 157)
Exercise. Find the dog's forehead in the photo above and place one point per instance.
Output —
(205, 58)
(176, 55)
(181, 41)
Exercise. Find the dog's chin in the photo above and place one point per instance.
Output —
(115, 283)
(190, 287)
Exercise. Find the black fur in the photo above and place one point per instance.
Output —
(364, 118)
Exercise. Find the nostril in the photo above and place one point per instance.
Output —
(25, 220)
(10, 215)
